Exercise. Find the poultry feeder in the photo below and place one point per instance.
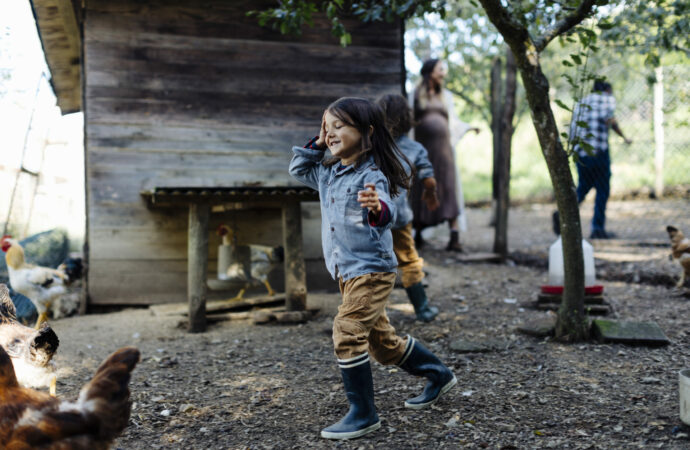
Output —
(552, 292)
(684, 394)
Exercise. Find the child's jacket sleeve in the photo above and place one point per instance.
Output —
(422, 164)
(305, 166)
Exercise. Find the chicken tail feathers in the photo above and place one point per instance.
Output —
(8, 312)
(107, 394)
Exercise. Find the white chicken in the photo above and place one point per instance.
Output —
(262, 260)
(42, 285)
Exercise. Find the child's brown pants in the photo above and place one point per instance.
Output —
(362, 325)
(409, 262)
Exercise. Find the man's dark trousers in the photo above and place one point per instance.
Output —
(595, 172)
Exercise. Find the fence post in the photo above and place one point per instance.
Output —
(658, 116)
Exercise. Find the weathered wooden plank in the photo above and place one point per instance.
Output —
(153, 243)
(237, 82)
(110, 42)
(196, 20)
(235, 60)
(165, 132)
(181, 309)
(152, 111)
(146, 161)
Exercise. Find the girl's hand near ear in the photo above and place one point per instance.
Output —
(369, 198)
(321, 141)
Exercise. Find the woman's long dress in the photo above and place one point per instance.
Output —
(433, 133)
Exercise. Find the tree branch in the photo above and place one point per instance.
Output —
(564, 24)
(511, 29)
(472, 103)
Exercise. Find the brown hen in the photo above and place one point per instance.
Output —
(35, 420)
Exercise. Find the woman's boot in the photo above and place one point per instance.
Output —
(419, 361)
(454, 244)
(419, 300)
(359, 388)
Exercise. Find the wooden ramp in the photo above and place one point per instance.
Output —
(260, 310)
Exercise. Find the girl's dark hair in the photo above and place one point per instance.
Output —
(427, 68)
(398, 114)
(363, 114)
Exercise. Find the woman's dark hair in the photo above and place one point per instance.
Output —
(398, 114)
(427, 68)
(362, 114)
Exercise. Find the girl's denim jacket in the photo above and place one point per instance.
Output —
(418, 156)
(351, 247)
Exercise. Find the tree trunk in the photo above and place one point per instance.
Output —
(571, 324)
(496, 107)
(502, 161)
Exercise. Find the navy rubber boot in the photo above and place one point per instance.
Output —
(359, 388)
(418, 360)
(418, 298)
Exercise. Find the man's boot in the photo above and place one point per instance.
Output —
(418, 298)
(359, 388)
(419, 361)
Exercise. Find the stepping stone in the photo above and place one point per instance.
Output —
(539, 327)
(635, 333)
(463, 346)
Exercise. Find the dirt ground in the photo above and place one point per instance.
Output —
(276, 386)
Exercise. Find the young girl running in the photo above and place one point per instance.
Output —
(399, 121)
(355, 188)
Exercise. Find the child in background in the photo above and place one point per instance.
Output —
(399, 121)
(357, 212)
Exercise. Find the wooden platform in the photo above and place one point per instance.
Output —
(220, 306)
(595, 304)
(478, 257)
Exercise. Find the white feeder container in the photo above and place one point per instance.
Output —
(224, 260)
(556, 268)
(684, 392)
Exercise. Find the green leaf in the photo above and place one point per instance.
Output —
(562, 105)
(582, 124)
(577, 59)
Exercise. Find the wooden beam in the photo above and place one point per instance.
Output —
(197, 261)
(295, 273)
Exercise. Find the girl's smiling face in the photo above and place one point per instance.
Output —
(343, 140)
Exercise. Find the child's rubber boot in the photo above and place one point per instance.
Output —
(419, 361)
(361, 419)
(419, 300)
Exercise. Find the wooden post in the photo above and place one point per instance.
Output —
(295, 272)
(496, 105)
(658, 114)
(197, 264)
(502, 160)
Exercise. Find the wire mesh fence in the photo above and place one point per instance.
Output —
(649, 182)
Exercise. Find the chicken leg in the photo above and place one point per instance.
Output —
(41, 318)
(271, 292)
(239, 296)
(53, 386)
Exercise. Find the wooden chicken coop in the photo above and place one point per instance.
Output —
(190, 111)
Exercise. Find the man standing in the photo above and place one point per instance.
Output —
(589, 131)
